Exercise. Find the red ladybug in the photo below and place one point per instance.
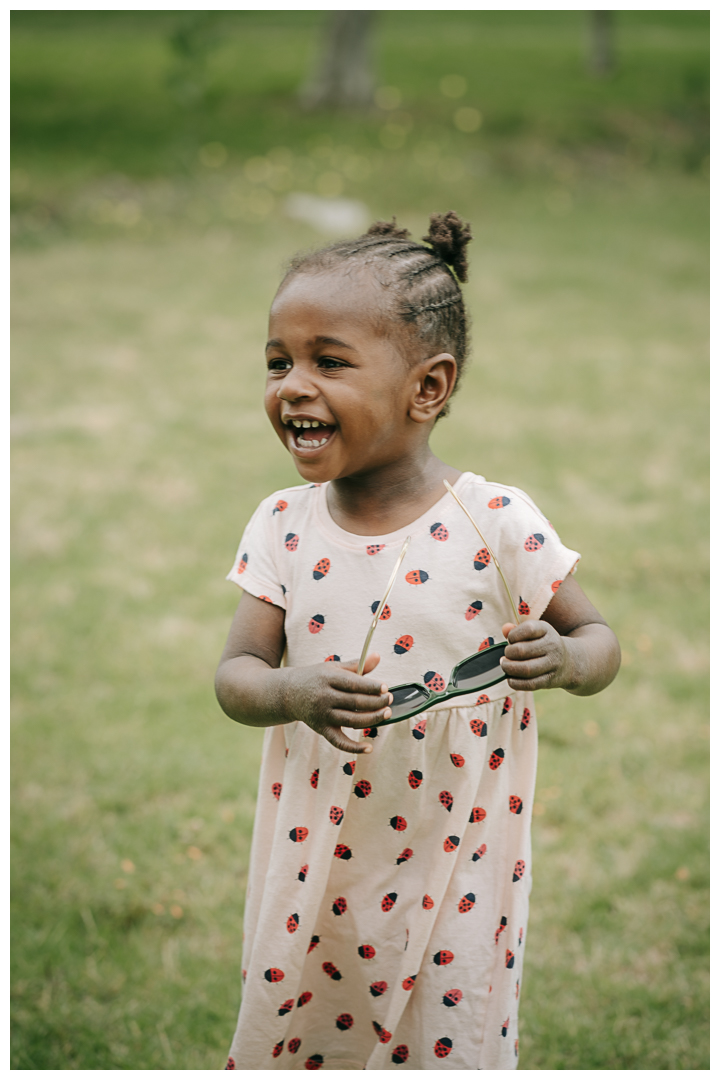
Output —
(294, 1046)
(443, 1047)
(504, 1028)
(486, 643)
(452, 998)
(388, 901)
(383, 1035)
(501, 927)
(242, 564)
(405, 854)
(403, 644)
(230, 1064)
(278, 1048)
(400, 1054)
(336, 814)
(482, 559)
(415, 778)
(526, 718)
(274, 975)
(293, 923)
(496, 758)
(507, 705)
(428, 902)
(344, 1022)
(315, 1061)
(330, 969)
(450, 843)
(438, 531)
(342, 852)
(555, 586)
(458, 760)
(483, 699)
(366, 952)
(377, 989)
(372, 549)
(498, 502)
(419, 729)
(304, 998)
(407, 984)
(286, 1006)
(433, 681)
(303, 872)
(443, 958)
(523, 608)
(333, 656)
(398, 823)
(478, 727)
(316, 624)
(279, 506)
(362, 789)
(509, 958)
(321, 568)
(292, 541)
(299, 834)
(276, 790)
(520, 936)
(340, 906)
(473, 610)
(466, 903)
(417, 577)
(349, 768)
(446, 799)
(518, 871)
(370, 732)
(479, 853)
(385, 613)
(515, 804)
(534, 542)
(314, 778)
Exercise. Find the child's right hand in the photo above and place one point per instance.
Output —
(330, 696)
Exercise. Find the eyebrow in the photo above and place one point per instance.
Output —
(276, 343)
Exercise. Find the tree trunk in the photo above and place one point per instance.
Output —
(602, 53)
(343, 77)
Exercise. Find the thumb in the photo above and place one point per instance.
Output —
(371, 661)
(507, 627)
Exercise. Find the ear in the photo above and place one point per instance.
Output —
(434, 380)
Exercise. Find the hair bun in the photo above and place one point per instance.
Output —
(387, 228)
(449, 238)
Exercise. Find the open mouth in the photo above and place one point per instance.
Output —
(310, 434)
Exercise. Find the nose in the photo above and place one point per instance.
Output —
(296, 386)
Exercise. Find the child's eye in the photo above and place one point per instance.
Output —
(278, 363)
(331, 363)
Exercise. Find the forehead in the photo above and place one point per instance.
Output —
(333, 299)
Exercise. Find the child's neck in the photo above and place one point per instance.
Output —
(388, 499)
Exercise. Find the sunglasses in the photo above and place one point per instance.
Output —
(472, 674)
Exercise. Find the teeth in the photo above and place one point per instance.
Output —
(307, 423)
(315, 423)
(313, 443)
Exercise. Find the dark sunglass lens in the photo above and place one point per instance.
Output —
(406, 698)
(481, 670)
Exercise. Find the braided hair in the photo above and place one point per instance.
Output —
(420, 280)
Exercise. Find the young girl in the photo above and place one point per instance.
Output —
(387, 902)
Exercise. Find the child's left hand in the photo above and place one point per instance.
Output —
(536, 657)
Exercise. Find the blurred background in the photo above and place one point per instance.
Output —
(165, 165)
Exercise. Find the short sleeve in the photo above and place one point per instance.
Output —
(255, 568)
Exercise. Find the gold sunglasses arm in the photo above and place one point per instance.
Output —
(381, 607)
(492, 556)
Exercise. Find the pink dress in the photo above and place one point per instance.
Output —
(387, 902)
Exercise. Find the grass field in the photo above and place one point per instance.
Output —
(143, 270)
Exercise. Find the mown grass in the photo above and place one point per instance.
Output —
(140, 450)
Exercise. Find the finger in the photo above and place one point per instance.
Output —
(527, 669)
(356, 720)
(360, 703)
(542, 682)
(349, 683)
(371, 661)
(340, 741)
(533, 628)
(527, 650)
(507, 627)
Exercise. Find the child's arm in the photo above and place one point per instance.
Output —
(253, 689)
(571, 647)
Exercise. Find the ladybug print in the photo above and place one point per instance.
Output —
(507, 705)
(366, 952)
(518, 869)
(479, 853)
(362, 789)
(372, 549)
(320, 569)
(418, 732)
(278, 1048)
(534, 542)
(515, 804)
(336, 814)
(523, 607)
(417, 577)
(349, 768)
(504, 1028)
(276, 790)
(274, 975)
(521, 933)
(433, 681)
(501, 927)
(298, 835)
(486, 643)
(526, 718)
(266, 599)
(443, 1047)
(458, 760)
(466, 903)
(482, 559)
(446, 799)
(407, 984)
(370, 732)
(438, 531)
(452, 998)
(279, 506)
(344, 1022)
(303, 999)
(342, 851)
(286, 1006)
(315, 1061)
(303, 872)
(477, 814)
(473, 610)
(450, 843)
(555, 586)
(483, 699)
(516, 1045)
(398, 823)
(383, 1035)
(517, 989)
(330, 969)
(291, 541)
(498, 502)
(428, 902)
(377, 989)
(386, 612)
(340, 906)
(388, 901)
(316, 624)
(403, 644)
(404, 856)
(479, 728)
(314, 778)
(230, 1064)
(292, 923)
(415, 778)
(294, 1046)
(399, 1055)
(509, 958)
(334, 656)
(242, 564)
(496, 758)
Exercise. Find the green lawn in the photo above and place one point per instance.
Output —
(141, 283)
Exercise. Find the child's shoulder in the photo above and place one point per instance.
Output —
(296, 498)
(491, 495)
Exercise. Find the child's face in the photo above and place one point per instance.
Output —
(331, 364)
